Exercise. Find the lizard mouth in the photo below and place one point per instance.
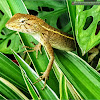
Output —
(11, 27)
(8, 26)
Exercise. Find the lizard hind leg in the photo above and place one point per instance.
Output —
(46, 73)
(36, 48)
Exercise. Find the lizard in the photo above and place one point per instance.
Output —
(45, 34)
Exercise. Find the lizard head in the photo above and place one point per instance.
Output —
(22, 23)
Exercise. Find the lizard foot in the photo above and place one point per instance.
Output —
(44, 76)
(36, 48)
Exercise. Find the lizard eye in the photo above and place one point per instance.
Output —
(22, 20)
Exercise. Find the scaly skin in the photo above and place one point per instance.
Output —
(45, 34)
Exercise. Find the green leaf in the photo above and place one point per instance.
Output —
(84, 78)
(10, 91)
(35, 4)
(9, 41)
(4, 7)
(49, 17)
(11, 72)
(47, 93)
(86, 38)
(29, 84)
(3, 22)
(17, 6)
(63, 88)
(56, 12)
(2, 97)
(72, 13)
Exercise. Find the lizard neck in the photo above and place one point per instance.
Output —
(37, 37)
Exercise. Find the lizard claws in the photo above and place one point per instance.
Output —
(44, 84)
(44, 76)
(36, 48)
(38, 79)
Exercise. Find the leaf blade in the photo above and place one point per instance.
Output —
(84, 78)
(29, 84)
(47, 92)
(13, 92)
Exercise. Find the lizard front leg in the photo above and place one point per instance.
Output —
(36, 48)
(49, 67)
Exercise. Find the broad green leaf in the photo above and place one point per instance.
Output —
(72, 14)
(47, 93)
(52, 17)
(4, 7)
(10, 91)
(35, 4)
(9, 41)
(29, 84)
(3, 22)
(87, 38)
(84, 78)
(56, 15)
